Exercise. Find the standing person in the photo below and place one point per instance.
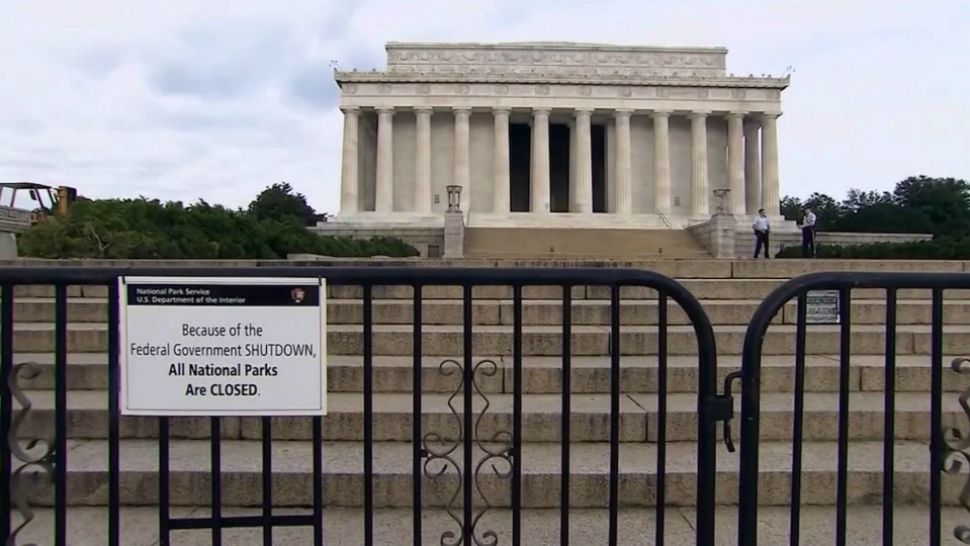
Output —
(761, 231)
(808, 234)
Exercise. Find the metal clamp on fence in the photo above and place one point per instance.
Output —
(721, 408)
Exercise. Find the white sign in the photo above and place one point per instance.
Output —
(223, 346)
(822, 307)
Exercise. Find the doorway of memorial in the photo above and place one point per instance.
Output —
(520, 160)
(559, 167)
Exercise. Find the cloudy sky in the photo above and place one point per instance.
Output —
(188, 99)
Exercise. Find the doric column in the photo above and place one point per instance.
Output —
(584, 162)
(752, 166)
(349, 190)
(661, 162)
(700, 199)
(501, 157)
(769, 164)
(422, 161)
(624, 182)
(540, 160)
(462, 172)
(384, 190)
(736, 162)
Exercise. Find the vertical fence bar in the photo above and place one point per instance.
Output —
(317, 481)
(417, 374)
(936, 416)
(468, 373)
(368, 418)
(889, 414)
(799, 413)
(6, 406)
(845, 323)
(60, 418)
(614, 412)
(163, 485)
(517, 414)
(114, 437)
(267, 429)
(215, 460)
(567, 329)
(661, 417)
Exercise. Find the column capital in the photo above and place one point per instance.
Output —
(699, 114)
(423, 109)
(736, 115)
(501, 110)
(541, 111)
(461, 109)
(660, 113)
(584, 110)
(769, 115)
(350, 109)
(622, 112)
(385, 110)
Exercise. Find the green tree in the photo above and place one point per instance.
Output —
(149, 229)
(791, 208)
(279, 201)
(944, 201)
(827, 210)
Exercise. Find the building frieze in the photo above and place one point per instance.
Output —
(585, 79)
(559, 90)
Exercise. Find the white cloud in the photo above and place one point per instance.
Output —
(186, 99)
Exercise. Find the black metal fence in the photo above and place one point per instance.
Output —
(52, 461)
(946, 445)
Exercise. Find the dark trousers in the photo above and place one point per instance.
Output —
(761, 238)
(808, 242)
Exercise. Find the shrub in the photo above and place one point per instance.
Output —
(949, 248)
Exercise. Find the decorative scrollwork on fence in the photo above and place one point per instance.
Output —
(37, 453)
(500, 455)
(438, 450)
(440, 453)
(956, 444)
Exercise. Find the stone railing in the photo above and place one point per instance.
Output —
(745, 240)
(717, 235)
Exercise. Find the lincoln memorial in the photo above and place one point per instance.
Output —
(557, 135)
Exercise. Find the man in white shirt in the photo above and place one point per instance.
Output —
(808, 234)
(761, 230)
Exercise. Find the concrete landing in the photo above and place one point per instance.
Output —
(581, 243)
(344, 527)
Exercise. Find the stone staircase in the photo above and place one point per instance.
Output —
(729, 301)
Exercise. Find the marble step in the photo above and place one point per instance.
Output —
(342, 480)
(541, 417)
(344, 339)
(540, 312)
(87, 526)
(711, 288)
(540, 374)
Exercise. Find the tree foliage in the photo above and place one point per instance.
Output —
(279, 201)
(272, 227)
(940, 206)
(920, 204)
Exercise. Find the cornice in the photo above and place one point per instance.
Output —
(342, 77)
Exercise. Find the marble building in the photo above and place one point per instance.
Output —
(556, 134)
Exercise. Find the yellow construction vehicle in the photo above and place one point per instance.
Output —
(49, 199)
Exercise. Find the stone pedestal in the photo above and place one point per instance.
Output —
(454, 224)
(723, 235)
(454, 234)
(8, 246)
